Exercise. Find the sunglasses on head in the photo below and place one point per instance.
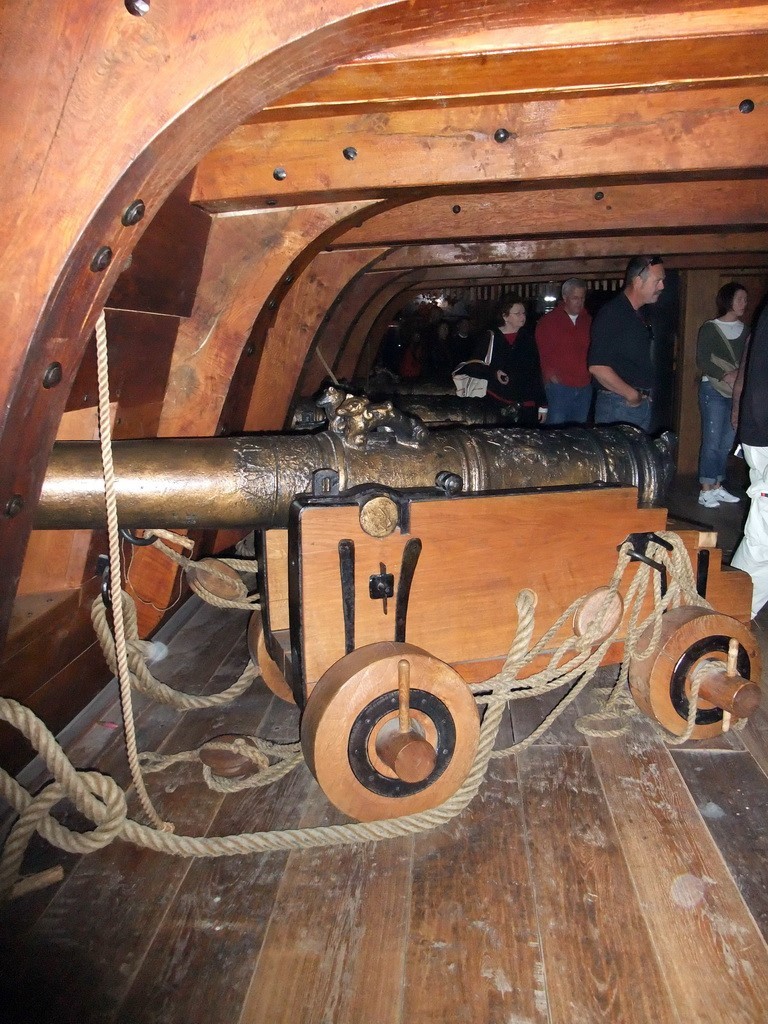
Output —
(653, 261)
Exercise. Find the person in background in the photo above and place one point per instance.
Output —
(412, 357)
(461, 341)
(620, 350)
(752, 553)
(719, 348)
(562, 337)
(439, 355)
(511, 363)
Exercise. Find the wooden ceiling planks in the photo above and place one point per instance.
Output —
(558, 212)
(439, 80)
(573, 249)
(640, 134)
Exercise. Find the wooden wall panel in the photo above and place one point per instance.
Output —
(165, 267)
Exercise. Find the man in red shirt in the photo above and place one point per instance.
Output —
(562, 337)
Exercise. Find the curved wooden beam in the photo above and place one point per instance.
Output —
(290, 337)
(83, 137)
(333, 335)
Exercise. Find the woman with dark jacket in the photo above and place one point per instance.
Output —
(512, 359)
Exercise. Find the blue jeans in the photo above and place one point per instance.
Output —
(567, 404)
(717, 434)
(611, 408)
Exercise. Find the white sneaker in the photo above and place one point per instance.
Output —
(709, 499)
(722, 495)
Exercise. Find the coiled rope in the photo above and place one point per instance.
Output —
(136, 666)
(100, 799)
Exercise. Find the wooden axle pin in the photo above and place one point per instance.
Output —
(410, 756)
(726, 689)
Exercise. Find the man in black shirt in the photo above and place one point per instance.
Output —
(752, 554)
(620, 349)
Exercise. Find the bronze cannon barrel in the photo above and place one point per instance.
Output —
(251, 480)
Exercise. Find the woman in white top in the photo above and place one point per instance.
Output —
(719, 347)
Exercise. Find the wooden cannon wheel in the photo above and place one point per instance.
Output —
(691, 637)
(349, 731)
(268, 668)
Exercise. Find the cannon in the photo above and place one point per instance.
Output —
(433, 410)
(390, 557)
(251, 481)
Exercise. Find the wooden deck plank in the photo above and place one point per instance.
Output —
(529, 712)
(598, 955)
(200, 961)
(474, 956)
(715, 960)
(95, 952)
(730, 793)
(336, 943)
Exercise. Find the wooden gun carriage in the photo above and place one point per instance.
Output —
(380, 605)
(384, 602)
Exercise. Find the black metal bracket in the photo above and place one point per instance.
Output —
(139, 542)
(407, 570)
(325, 483)
(640, 542)
(102, 569)
(381, 585)
(347, 571)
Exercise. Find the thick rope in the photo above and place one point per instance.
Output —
(242, 601)
(115, 574)
(101, 800)
(139, 674)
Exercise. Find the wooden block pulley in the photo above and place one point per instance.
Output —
(224, 582)
(389, 730)
(695, 642)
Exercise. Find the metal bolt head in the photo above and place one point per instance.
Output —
(746, 106)
(271, 202)
(279, 174)
(272, 304)
(501, 135)
(250, 348)
(288, 278)
(101, 258)
(52, 375)
(133, 213)
(137, 7)
(13, 506)
(349, 153)
(599, 196)
(456, 209)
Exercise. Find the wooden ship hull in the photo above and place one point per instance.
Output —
(250, 194)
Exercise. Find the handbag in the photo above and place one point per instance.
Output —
(466, 385)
